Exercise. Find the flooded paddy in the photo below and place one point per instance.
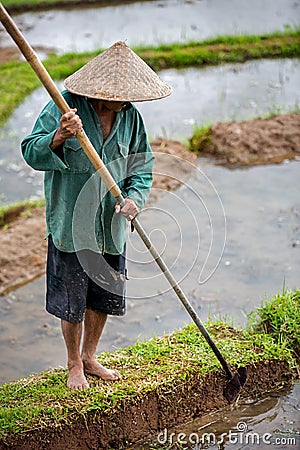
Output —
(255, 214)
(151, 22)
(249, 219)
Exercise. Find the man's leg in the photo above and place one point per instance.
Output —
(72, 336)
(93, 326)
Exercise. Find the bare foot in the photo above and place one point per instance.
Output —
(77, 380)
(92, 367)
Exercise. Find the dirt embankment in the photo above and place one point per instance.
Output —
(255, 142)
(146, 416)
(261, 141)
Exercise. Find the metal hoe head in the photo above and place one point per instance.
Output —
(235, 384)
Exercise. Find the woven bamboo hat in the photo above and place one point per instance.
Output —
(117, 74)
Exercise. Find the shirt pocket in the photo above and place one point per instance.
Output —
(75, 157)
(123, 149)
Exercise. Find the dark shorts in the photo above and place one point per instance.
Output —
(76, 281)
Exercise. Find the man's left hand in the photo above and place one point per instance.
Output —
(129, 210)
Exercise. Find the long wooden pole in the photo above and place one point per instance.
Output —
(95, 159)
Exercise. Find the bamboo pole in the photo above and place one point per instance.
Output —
(234, 384)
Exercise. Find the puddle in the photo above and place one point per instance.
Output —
(201, 96)
(86, 29)
(270, 421)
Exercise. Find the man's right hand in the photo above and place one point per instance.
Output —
(70, 124)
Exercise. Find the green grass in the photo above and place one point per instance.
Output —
(200, 139)
(223, 49)
(17, 79)
(8, 213)
(43, 400)
(279, 317)
(28, 3)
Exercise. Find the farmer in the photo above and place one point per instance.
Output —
(86, 227)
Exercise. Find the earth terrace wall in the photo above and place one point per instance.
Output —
(141, 417)
(149, 414)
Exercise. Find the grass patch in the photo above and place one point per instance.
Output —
(152, 366)
(17, 79)
(9, 213)
(279, 317)
(200, 139)
(223, 49)
(14, 5)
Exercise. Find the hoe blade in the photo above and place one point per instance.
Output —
(235, 384)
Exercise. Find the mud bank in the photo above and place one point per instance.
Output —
(255, 142)
(147, 415)
(165, 382)
(10, 54)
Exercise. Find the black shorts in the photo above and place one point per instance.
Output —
(76, 281)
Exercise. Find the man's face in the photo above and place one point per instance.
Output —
(114, 106)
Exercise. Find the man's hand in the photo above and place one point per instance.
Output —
(69, 124)
(129, 210)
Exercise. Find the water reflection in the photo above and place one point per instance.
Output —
(151, 22)
(223, 93)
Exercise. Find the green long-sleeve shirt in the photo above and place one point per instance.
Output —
(79, 209)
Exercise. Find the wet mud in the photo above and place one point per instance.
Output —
(256, 142)
(10, 54)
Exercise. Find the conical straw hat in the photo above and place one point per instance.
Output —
(118, 74)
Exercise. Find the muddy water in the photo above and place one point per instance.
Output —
(200, 97)
(166, 21)
(271, 421)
